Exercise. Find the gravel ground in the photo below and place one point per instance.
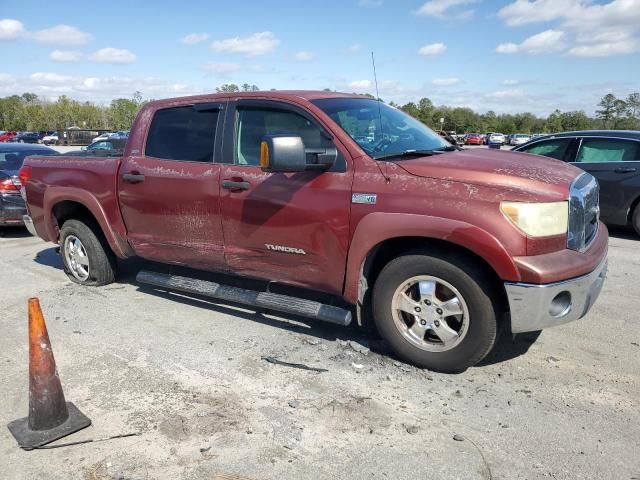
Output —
(189, 377)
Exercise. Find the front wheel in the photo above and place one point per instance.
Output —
(436, 310)
(87, 258)
(635, 219)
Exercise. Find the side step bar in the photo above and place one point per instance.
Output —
(266, 300)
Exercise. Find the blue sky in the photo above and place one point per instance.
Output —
(519, 55)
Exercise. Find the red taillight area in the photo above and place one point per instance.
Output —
(24, 175)
(9, 186)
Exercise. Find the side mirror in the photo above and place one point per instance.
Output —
(83, 148)
(287, 153)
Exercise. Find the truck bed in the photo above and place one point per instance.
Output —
(73, 176)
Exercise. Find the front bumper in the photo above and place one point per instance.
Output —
(29, 224)
(534, 307)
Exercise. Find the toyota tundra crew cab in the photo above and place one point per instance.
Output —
(364, 210)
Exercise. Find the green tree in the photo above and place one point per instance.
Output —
(607, 109)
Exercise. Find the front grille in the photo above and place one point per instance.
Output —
(584, 212)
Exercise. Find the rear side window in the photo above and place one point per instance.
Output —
(182, 133)
(556, 148)
(604, 150)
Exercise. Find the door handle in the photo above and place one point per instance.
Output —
(625, 170)
(233, 185)
(132, 177)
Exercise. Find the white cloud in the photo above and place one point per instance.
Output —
(606, 49)
(256, 44)
(543, 42)
(511, 83)
(112, 55)
(96, 89)
(523, 12)
(303, 56)
(65, 56)
(445, 82)
(354, 48)
(360, 84)
(370, 3)
(512, 93)
(62, 35)
(221, 68)
(432, 49)
(11, 29)
(443, 9)
(597, 29)
(194, 38)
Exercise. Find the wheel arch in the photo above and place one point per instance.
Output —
(380, 237)
(69, 203)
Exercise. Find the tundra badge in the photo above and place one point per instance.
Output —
(369, 198)
(284, 249)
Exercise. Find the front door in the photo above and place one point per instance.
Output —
(614, 162)
(283, 227)
(169, 191)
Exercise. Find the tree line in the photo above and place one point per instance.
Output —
(32, 113)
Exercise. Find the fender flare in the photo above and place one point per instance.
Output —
(377, 227)
(55, 195)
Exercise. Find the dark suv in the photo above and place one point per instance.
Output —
(612, 156)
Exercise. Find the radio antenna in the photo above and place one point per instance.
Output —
(375, 76)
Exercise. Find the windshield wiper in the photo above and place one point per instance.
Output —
(407, 153)
(448, 148)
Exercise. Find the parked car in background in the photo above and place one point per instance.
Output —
(6, 136)
(473, 139)
(495, 139)
(50, 139)
(612, 157)
(12, 206)
(25, 137)
(519, 138)
(108, 144)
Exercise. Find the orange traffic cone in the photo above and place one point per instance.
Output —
(50, 417)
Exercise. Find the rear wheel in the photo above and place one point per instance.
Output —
(87, 258)
(436, 310)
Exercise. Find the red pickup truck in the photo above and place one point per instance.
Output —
(366, 209)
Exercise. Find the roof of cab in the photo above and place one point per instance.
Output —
(272, 94)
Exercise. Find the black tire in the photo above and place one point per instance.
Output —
(102, 261)
(635, 219)
(478, 289)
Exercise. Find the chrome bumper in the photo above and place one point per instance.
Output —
(534, 307)
(29, 224)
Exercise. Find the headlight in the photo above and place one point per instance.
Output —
(538, 219)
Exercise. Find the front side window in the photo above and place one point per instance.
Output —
(556, 148)
(603, 150)
(380, 130)
(182, 133)
(254, 123)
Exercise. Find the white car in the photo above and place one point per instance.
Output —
(496, 139)
(50, 139)
(519, 139)
(103, 136)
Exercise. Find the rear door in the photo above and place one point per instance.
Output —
(169, 192)
(615, 162)
(284, 227)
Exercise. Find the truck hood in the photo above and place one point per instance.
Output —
(495, 168)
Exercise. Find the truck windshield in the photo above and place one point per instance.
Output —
(381, 130)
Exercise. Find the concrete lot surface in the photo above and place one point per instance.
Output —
(189, 377)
